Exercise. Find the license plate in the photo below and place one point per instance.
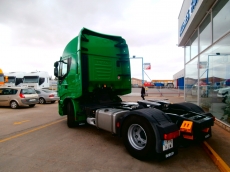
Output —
(32, 100)
(167, 144)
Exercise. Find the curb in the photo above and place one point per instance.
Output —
(222, 124)
(223, 167)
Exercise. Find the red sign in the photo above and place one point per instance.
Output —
(147, 66)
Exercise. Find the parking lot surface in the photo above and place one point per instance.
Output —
(38, 139)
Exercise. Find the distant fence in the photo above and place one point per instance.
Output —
(162, 91)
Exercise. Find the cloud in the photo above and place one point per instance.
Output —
(34, 33)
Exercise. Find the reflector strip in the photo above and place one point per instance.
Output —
(205, 130)
(186, 126)
(172, 135)
(190, 137)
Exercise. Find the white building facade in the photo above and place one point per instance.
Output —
(204, 33)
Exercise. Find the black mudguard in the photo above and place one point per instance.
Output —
(192, 112)
(185, 106)
(160, 123)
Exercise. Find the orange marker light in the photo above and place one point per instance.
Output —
(186, 126)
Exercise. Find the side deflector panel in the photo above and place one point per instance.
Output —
(106, 60)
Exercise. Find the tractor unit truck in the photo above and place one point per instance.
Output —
(3, 78)
(94, 71)
(14, 78)
(36, 80)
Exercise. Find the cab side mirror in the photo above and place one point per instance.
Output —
(56, 71)
(56, 64)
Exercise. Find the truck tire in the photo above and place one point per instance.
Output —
(71, 123)
(139, 138)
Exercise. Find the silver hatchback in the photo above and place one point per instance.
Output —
(47, 96)
(18, 96)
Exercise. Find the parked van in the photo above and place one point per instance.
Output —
(18, 96)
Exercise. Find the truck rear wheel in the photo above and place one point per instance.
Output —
(139, 138)
(70, 116)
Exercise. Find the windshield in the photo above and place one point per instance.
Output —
(30, 79)
(63, 68)
(48, 91)
(1, 78)
(28, 91)
(11, 79)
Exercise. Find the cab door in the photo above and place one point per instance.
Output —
(69, 77)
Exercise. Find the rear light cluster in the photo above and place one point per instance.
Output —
(187, 132)
(21, 95)
(172, 135)
(51, 95)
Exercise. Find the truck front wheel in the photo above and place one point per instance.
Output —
(70, 116)
(139, 138)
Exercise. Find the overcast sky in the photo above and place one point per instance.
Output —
(34, 33)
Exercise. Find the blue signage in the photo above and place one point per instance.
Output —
(188, 14)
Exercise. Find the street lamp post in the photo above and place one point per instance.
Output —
(134, 57)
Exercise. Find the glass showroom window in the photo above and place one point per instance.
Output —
(187, 52)
(221, 19)
(216, 73)
(205, 33)
(191, 76)
(194, 45)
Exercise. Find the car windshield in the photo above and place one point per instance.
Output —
(28, 91)
(47, 91)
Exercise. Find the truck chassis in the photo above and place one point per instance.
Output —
(149, 128)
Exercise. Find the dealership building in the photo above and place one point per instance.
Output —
(204, 33)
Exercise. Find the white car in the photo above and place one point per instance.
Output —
(223, 92)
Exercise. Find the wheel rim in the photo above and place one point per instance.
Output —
(41, 100)
(13, 105)
(137, 136)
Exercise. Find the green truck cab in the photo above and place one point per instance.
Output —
(93, 68)
(93, 72)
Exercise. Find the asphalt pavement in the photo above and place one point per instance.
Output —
(218, 146)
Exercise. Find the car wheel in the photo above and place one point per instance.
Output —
(42, 100)
(14, 105)
(32, 105)
(139, 138)
(70, 116)
(52, 101)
